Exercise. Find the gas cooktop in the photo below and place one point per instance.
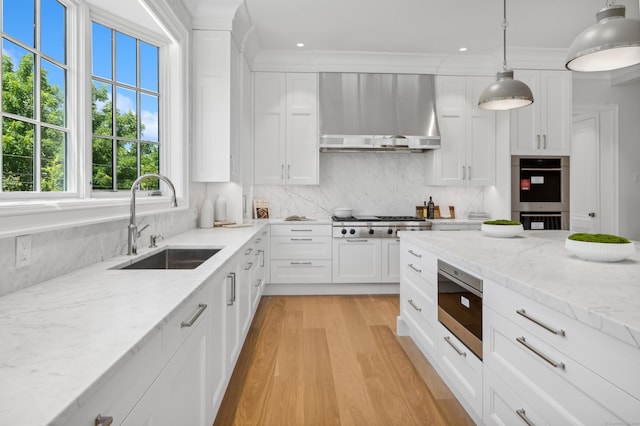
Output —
(378, 219)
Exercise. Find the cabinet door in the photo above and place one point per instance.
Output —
(525, 121)
(212, 106)
(391, 260)
(180, 394)
(557, 86)
(449, 161)
(269, 128)
(481, 137)
(356, 260)
(302, 129)
(218, 371)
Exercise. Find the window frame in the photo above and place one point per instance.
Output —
(22, 213)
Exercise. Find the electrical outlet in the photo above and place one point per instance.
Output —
(23, 251)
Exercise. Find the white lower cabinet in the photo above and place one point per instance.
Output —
(390, 272)
(300, 254)
(357, 260)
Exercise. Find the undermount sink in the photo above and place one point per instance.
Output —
(172, 258)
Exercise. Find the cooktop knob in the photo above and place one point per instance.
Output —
(344, 231)
(352, 231)
(389, 231)
(370, 231)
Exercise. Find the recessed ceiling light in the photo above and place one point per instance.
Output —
(463, 49)
(300, 44)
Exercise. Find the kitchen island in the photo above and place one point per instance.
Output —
(583, 367)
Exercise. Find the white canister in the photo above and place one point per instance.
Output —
(221, 209)
(206, 214)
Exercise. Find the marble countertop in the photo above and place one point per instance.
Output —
(456, 221)
(605, 296)
(59, 338)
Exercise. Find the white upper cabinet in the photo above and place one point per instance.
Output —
(543, 128)
(217, 107)
(468, 134)
(286, 128)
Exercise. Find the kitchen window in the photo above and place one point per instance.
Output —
(85, 111)
(125, 106)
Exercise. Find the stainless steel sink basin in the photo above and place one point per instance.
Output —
(172, 258)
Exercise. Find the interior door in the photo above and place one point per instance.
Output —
(585, 174)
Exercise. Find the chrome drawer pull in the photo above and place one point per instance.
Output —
(232, 289)
(301, 239)
(248, 266)
(414, 268)
(301, 263)
(556, 364)
(258, 282)
(201, 308)
(103, 420)
(448, 340)
(523, 415)
(301, 230)
(524, 313)
(414, 305)
(418, 255)
(248, 251)
(364, 240)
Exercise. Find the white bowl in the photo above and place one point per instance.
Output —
(342, 212)
(600, 252)
(501, 231)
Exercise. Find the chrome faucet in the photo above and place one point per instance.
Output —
(133, 228)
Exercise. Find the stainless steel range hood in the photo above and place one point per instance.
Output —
(377, 112)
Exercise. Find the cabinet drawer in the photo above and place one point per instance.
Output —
(420, 258)
(300, 271)
(182, 323)
(556, 386)
(300, 247)
(419, 312)
(423, 294)
(578, 339)
(301, 230)
(463, 370)
(503, 407)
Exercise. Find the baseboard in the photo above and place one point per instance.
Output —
(328, 289)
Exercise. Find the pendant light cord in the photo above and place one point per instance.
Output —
(505, 24)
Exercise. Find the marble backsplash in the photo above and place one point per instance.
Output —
(369, 183)
(54, 253)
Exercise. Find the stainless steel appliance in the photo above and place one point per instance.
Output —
(377, 112)
(540, 192)
(377, 226)
(460, 305)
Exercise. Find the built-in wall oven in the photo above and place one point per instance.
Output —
(460, 305)
(540, 192)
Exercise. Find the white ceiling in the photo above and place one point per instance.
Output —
(418, 26)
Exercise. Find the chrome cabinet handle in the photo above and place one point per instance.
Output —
(414, 268)
(448, 340)
(288, 171)
(257, 241)
(232, 293)
(414, 305)
(261, 253)
(538, 137)
(301, 239)
(248, 266)
(556, 364)
(301, 263)
(258, 282)
(103, 420)
(559, 332)
(523, 415)
(418, 255)
(301, 230)
(201, 308)
(544, 141)
(357, 241)
(469, 172)
(464, 173)
(282, 171)
(248, 251)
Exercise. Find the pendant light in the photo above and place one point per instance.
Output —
(505, 93)
(611, 43)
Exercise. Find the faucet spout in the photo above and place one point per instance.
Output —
(132, 229)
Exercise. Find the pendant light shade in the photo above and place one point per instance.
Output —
(612, 43)
(505, 93)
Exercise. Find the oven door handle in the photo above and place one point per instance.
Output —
(460, 283)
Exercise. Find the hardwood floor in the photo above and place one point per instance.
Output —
(334, 360)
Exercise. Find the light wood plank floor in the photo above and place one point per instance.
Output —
(334, 360)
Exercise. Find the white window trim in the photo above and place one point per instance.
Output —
(24, 214)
